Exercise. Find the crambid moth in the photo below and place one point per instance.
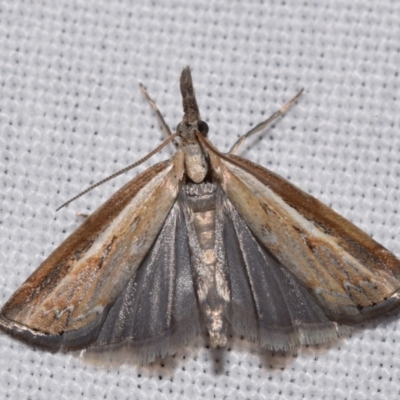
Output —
(204, 242)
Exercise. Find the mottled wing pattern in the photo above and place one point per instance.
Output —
(157, 311)
(351, 277)
(63, 303)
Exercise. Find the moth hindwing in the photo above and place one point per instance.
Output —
(204, 243)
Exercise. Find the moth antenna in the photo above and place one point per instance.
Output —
(264, 124)
(159, 116)
(122, 171)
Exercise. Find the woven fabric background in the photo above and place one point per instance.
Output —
(71, 113)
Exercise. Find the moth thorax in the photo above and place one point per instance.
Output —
(195, 162)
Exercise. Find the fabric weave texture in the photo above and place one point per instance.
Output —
(71, 113)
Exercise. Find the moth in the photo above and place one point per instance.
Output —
(204, 243)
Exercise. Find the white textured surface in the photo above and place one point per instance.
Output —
(71, 113)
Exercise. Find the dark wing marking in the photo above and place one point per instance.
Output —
(157, 311)
(268, 303)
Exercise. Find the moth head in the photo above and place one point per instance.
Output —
(186, 130)
(191, 126)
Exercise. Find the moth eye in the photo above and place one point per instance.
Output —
(202, 127)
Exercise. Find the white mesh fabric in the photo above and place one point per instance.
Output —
(71, 113)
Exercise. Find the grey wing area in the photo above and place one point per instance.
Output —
(157, 311)
(268, 303)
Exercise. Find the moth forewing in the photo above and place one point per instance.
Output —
(351, 276)
(74, 287)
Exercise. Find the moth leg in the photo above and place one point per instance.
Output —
(264, 124)
(122, 171)
(159, 116)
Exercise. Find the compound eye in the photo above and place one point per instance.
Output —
(202, 127)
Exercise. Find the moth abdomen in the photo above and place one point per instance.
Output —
(201, 210)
